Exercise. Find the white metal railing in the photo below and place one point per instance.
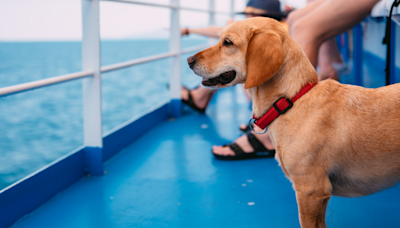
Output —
(44, 82)
(175, 64)
(91, 87)
(173, 5)
(192, 49)
(73, 76)
(129, 63)
(91, 74)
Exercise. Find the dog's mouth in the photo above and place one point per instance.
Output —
(223, 79)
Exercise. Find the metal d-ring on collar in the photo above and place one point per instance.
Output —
(251, 122)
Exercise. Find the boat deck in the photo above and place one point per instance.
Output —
(169, 178)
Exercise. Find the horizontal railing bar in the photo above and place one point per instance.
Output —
(148, 59)
(144, 3)
(201, 10)
(166, 6)
(136, 62)
(43, 82)
(68, 77)
(196, 48)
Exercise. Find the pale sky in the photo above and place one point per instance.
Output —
(61, 19)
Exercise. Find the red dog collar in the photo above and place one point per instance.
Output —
(279, 107)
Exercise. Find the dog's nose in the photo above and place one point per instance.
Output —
(191, 61)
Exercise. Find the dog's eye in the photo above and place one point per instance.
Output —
(227, 42)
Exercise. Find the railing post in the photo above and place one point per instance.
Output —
(357, 54)
(211, 19)
(211, 13)
(92, 121)
(232, 11)
(175, 77)
(393, 53)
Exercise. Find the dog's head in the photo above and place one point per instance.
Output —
(249, 51)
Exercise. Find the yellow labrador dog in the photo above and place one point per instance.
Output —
(337, 139)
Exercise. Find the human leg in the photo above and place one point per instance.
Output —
(331, 17)
(200, 96)
(297, 14)
(327, 56)
(328, 53)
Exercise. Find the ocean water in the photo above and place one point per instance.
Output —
(39, 126)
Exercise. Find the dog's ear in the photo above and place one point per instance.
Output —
(264, 58)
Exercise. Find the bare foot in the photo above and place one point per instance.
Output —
(243, 127)
(244, 144)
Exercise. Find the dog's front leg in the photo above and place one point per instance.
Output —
(312, 194)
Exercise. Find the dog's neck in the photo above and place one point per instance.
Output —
(296, 71)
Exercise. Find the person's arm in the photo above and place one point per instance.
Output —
(209, 31)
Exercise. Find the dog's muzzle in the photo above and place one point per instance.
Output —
(223, 79)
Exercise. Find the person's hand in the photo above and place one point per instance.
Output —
(230, 21)
(184, 31)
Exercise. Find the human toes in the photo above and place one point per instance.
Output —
(244, 127)
(223, 150)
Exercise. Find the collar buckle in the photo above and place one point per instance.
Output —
(280, 102)
(280, 106)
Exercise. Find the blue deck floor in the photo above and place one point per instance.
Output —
(168, 178)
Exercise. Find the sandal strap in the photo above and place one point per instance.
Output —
(191, 103)
(189, 94)
(255, 143)
(236, 148)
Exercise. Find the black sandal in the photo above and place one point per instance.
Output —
(259, 150)
(191, 103)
